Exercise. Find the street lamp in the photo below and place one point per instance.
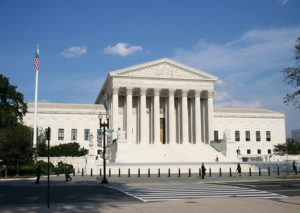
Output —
(104, 123)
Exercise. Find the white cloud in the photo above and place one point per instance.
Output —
(74, 52)
(122, 49)
(283, 2)
(249, 67)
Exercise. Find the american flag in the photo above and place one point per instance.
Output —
(36, 61)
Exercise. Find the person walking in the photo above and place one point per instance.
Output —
(38, 175)
(67, 174)
(203, 171)
(294, 167)
(239, 170)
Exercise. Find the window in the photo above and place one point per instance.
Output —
(216, 136)
(268, 136)
(247, 135)
(248, 151)
(257, 135)
(74, 134)
(237, 135)
(269, 151)
(86, 134)
(60, 134)
(259, 151)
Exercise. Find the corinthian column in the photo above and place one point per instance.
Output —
(142, 114)
(156, 117)
(184, 114)
(171, 117)
(197, 117)
(210, 115)
(129, 114)
(115, 110)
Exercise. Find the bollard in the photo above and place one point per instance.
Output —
(169, 173)
(230, 174)
(158, 174)
(209, 172)
(100, 172)
(73, 172)
(199, 172)
(220, 172)
(190, 172)
(269, 171)
(259, 171)
(278, 173)
(139, 172)
(148, 172)
(82, 174)
(91, 172)
(109, 172)
(179, 172)
(5, 173)
(57, 173)
(287, 170)
(250, 173)
(119, 174)
(129, 172)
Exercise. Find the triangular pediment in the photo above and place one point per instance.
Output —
(163, 69)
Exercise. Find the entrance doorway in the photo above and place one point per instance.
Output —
(162, 131)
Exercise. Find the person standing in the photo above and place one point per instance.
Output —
(203, 171)
(239, 170)
(294, 167)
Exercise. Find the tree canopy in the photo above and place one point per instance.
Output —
(12, 106)
(292, 78)
(291, 147)
(16, 145)
(67, 149)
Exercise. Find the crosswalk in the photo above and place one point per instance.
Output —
(167, 192)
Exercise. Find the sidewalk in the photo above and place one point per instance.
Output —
(205, 205)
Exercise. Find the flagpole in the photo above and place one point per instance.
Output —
(35, 99)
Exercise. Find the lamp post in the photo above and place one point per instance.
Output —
(103, 125)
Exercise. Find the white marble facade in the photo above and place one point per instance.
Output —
(162, 111)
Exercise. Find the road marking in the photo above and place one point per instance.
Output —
(178, 192)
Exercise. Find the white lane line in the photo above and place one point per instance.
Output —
(127, 193)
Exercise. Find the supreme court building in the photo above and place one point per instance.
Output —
(163, 111)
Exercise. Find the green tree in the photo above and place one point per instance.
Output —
(291, 147)
(16, 146)
(12, 106)
(68, 149)
(292, 78)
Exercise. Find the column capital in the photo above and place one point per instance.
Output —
(143, 91)
(129, 90)
(184, 93)
(156, 91)
(115, 90)
(209, 94)
(197, 93)
(171, 92)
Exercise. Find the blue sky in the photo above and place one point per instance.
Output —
(245, 43)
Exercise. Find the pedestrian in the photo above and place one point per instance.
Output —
(38, 173)
(239, 170)
(203, 169)
(67, 174)
(294, 167)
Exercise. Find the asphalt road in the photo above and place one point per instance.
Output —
(288, 187)
(27, 193)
